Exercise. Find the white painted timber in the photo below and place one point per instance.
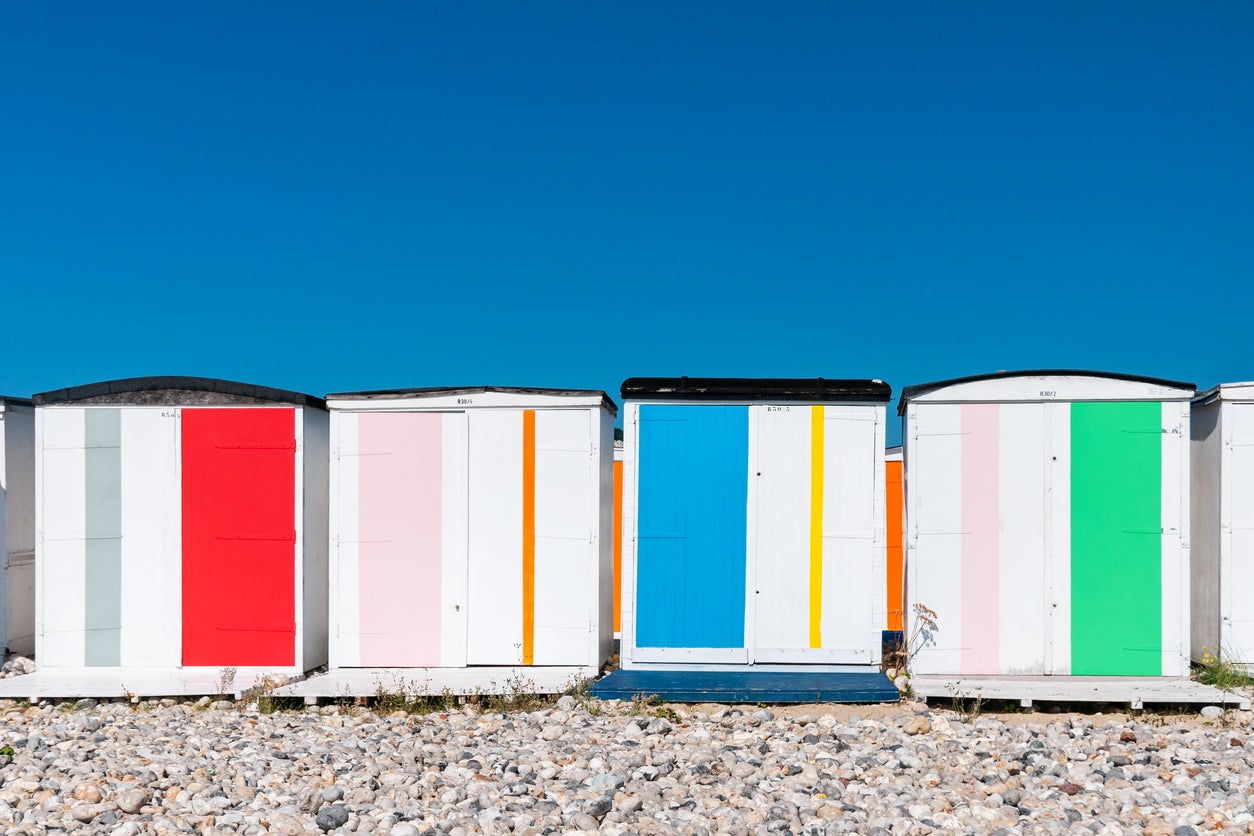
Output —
(934, 527)
(152, 547)
(494, 572)
(1135, 691)
(114, 682)
(419, 682)
(1044, 388)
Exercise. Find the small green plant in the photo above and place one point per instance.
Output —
(1221, 670)
(226, 681)
(652, 705)
(965, 704)
(6, 751)
(923, 631)
(262, 693)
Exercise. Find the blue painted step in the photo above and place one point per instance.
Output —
(746, 686)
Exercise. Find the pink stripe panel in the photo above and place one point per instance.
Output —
(399, 514)
(981, 524)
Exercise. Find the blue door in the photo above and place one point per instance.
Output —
(691, 554)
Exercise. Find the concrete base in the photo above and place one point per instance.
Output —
(1134, 691)
(431, 682)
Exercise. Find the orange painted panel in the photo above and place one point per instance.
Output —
(618, 546)
(895, 500)
(529, 536)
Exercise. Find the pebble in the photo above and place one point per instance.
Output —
(170, 767)
(330, 818)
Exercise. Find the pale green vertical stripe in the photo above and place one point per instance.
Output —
(1116, 539)
(103, 439)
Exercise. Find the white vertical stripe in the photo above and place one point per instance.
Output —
(879, 560)
(780, 518)
(566, 558)
(1058, 520)
(627, 596)
(152, 543)
(455, 531)
(494, 579)
(297, 555)
(61, 561)
(1022, 458)
(345, 639)
(934, 547)
(1175, 538)
(850, 471)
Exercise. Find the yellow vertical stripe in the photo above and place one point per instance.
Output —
(529, 536)
(816, 526)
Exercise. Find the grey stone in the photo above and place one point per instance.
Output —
(606, 781)
(597, 807)
(332, 794)
(329, 818)
(1209, 711)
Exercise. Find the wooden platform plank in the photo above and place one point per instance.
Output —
(746, 686)
(112, 683)
(418, 682)
(1134, 691)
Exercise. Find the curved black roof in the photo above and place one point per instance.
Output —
(175, 390)
(914, 391)
(7, 399)
(755, 389)
(437, 391)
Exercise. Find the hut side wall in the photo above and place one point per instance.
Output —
(315, 463)
(17, 529)
(1204, 549)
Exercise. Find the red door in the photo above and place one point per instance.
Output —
(239, 535)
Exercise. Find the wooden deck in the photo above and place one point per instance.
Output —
(419, 682)
(742, 686)
(1133, 691)
(112, 683)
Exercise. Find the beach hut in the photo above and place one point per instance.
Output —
(470, 540)
(1222, 548)
(894, 515)
(17, 525)
(1047, 527)
(181, 545)
(753, 537)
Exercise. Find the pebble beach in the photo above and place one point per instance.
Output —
(583, 766)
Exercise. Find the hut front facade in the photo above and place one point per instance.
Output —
(1048, 524)
(471, 531)
(1223, 524)
(753, 522)
(182, 525)
(17, 525)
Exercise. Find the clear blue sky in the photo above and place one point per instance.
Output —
(327, 197)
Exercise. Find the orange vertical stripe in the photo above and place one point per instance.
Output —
(618, 546)
(896, 598)
(529, 536)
